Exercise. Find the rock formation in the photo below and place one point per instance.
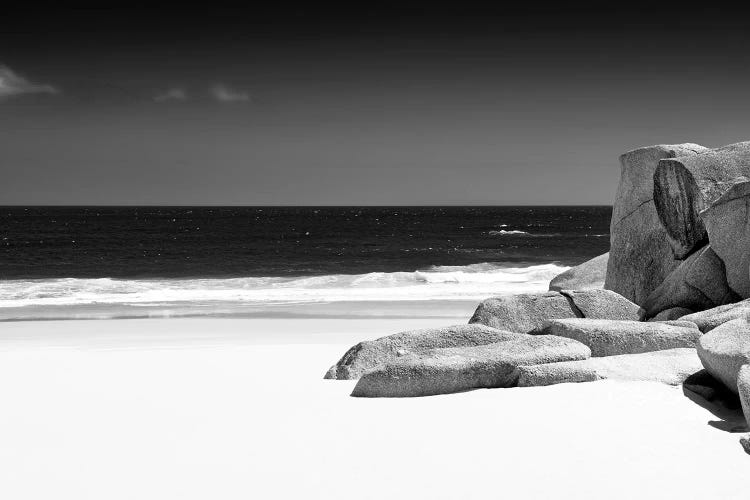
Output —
(698, 283)
(640, 256)
(527, 311)
(371, 353)
(743, 387)
(724, 350)
(443, 371)
(590, 274)
(671, 366)
(686, 185)
(727, 223)
(610, 338)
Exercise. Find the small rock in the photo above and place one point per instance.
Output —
(711, 318)
(671, 314)
(522, 312)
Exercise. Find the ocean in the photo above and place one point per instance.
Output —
(102, 262)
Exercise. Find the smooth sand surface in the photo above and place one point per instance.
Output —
(238, 409)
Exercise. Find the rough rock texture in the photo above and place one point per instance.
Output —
(602, 304)
(584, 276)
(724, 350)
(671, 366)
(671, 314)
(522, 312)
(743, 387)
(443, 371)
(727, 221)
(640, 256)
(686, 185)
(711, 318)
(527, 311)
(745, 442)
(368, 354)
(698, 283)
(610, 338)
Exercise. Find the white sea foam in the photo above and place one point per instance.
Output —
(471, 282)
(503, 232)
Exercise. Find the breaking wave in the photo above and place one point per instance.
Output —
(472, 282)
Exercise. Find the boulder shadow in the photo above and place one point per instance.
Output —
(704, 390)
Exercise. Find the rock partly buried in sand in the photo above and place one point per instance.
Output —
(745, 442)
(610, 338)
(522, 312)
(685, 186)
(711, 318)
(728, 230)
(527, 311)
(369, 354)
(640, 256)
(584, 276)
(672, 314)
(444, 371)
(743, 387)
(724, 350)
(671, 366)
(698, 283)
(601, 304)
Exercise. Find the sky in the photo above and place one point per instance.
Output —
(361, 106)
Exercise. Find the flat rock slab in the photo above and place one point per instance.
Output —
(590, 274)
(711, 318)
(522, 312)
(743, 387)
(371, 353)
(610, 338)
(444, 371)
(602, 304)
(724, 350)
(671, 366)
(528, 311)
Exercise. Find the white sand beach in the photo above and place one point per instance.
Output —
(238, 408)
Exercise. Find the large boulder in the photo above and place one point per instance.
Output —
(724, 350)
(743, 387)
(601, 304)
(671, 366)
(711, 318)
(640, 256)
(443, 371)
(698, 283)
(590, 274)
(726, 222)
(527, 311)
(371, 353)
(686, 185)
(522, 312)
(610, 338)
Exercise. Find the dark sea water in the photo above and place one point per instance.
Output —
(191, 242)
(145, 257)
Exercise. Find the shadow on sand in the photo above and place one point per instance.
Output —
(704, 390)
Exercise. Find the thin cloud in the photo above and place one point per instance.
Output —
(175, 94)
(222, 93)
(12, 84)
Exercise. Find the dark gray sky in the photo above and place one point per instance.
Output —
(376, 106)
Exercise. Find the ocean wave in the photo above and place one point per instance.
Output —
(517, 232)
(472, 282)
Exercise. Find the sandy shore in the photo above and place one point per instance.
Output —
(237, 408)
